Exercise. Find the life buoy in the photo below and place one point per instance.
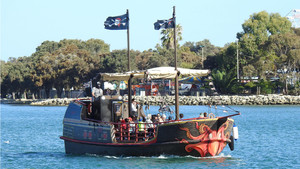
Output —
(211, 116)
(231, 144)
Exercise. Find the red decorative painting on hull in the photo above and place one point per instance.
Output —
(211, 142)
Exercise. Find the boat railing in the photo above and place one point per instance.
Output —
(134, 132)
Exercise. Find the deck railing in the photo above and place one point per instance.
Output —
(134, 132)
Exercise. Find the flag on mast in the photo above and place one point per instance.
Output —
(164, 24)
(117, 22)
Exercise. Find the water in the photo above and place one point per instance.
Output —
(269, 137)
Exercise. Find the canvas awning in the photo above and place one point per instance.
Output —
(193, 72)
(155, 73)
(122, 76)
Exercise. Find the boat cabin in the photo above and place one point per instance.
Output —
(114, 112)
(111, 109)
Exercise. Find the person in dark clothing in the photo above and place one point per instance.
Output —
(97, 92)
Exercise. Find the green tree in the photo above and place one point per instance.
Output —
(225, 60)
(117, 61)
(68, 64)
(166, 56)
(188, 59)
(15, 77)
(225, 81)
(168, 37)
(148, 59)
(209, 52)
(266, 86)
(256, 33)
(284, 50)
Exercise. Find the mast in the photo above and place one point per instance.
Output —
(128, 56)
(176, 77)
(128, 44)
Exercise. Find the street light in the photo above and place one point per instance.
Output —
(237, 59)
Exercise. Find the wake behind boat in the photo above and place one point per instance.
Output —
(115, 130)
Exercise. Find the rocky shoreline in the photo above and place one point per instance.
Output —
(224, 100)
(183, 100)
(39, 102)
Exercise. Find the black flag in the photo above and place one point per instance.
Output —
(164, 24)
(117, 22)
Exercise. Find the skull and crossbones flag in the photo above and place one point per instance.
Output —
(117, 22)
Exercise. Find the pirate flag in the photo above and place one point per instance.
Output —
(164, 24)
(117, 22)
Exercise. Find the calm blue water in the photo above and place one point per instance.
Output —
(269, 138)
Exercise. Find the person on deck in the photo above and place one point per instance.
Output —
(160, 120)
(142, 127)
(97, 92)
(164, 117)
(149, 126)
(132, 129)
(133, 108)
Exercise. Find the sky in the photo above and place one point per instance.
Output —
(25, 24)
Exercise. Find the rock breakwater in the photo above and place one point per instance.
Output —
(184, 100)
(222, 100)
(52, 102)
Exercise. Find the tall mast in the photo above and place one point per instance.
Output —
(176, 77)
(128, 56)
(128, 44)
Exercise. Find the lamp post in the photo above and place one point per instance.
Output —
(237, 59)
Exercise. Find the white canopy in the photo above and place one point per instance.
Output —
(155, 73)
(122, 76)
(193, 72)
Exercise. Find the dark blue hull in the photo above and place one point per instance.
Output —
(198, 137)
(127, 150)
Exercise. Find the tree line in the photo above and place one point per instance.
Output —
(268, 49)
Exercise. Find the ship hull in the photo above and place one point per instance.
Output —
(195, 137)
(73, 147)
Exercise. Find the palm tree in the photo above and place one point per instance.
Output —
(168, 37)
(224, 81)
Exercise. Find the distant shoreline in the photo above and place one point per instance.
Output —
(272, 99)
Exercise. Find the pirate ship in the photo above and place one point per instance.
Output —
(105, 134)
(114, 129)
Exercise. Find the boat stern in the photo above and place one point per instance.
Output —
(203, 137)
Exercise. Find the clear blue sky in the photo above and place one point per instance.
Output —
(25, 24)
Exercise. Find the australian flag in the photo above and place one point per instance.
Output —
(164, 24)
(117, 22)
